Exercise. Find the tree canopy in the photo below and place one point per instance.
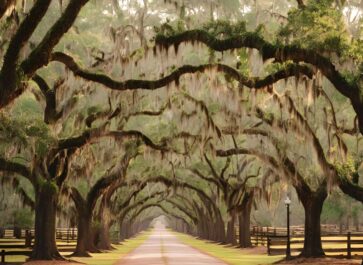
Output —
(115, 112)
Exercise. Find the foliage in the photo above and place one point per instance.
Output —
(319, 26)
(23, 218)
(346, 169)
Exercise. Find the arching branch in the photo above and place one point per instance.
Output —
(278, 53)
(17, 168)
(23, 194)
(353, 190)
(138, 203)
(287, 165)
(19, 40)
(88, 136)
(184, 210)
(211, 180)
(254, 82)
(116, 175)
(40, 56)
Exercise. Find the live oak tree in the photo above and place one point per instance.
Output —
(200, 96)
(327, 145)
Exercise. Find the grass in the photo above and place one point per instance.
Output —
(330, 245)
(230, 255)
(107, 258)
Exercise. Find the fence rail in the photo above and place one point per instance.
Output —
(18, 233)
(349, 244)
(18, 242)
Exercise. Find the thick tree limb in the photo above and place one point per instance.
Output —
(353, 190)
(51, 114)
(287, 165)
(117, 174)
(42, 53)
(279, 53)
(77, 198)
(291, 70)
(8, 74)
(5, 5)
(25, 198)
(88, 136)
(184, 210)
(17, 168)
(211, 180)
(178, 184)
(138, 203)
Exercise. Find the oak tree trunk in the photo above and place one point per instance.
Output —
(85, 242)
(231, 231)
(45, 247)
(313, 206)
(104, 241)
(244, 220)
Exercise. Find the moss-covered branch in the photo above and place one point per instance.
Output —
(116, 175)
(287, 166)
(353, 190)
(251, 82)
(51, 114)
(13, 167)
(279, 53)
(88, 136)
(9, 75)
(41, 55)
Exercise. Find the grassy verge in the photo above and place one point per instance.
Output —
(230, 255)
(111, 257)
(107, 258)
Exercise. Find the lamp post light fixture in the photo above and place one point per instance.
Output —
(288, 250)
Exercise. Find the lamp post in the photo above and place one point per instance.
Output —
(288, 250)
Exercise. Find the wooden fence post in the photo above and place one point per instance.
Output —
(28, 239)
(268, 245)
(349, 252)
(2, 256)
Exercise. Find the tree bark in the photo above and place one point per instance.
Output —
(313, 205)
(45, 247)
(85, 238)
(244, 220)
(104, 242)
(221, 232)
(231, 231)
(122, 230)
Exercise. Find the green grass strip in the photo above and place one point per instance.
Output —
(109, 258)
(229, 255)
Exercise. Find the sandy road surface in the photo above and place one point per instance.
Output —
(164, 248)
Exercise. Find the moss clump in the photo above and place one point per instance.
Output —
(48, 186)
(347, 169)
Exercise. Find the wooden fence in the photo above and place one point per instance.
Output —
(18, 242)
(349, 244)
(61, 233)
